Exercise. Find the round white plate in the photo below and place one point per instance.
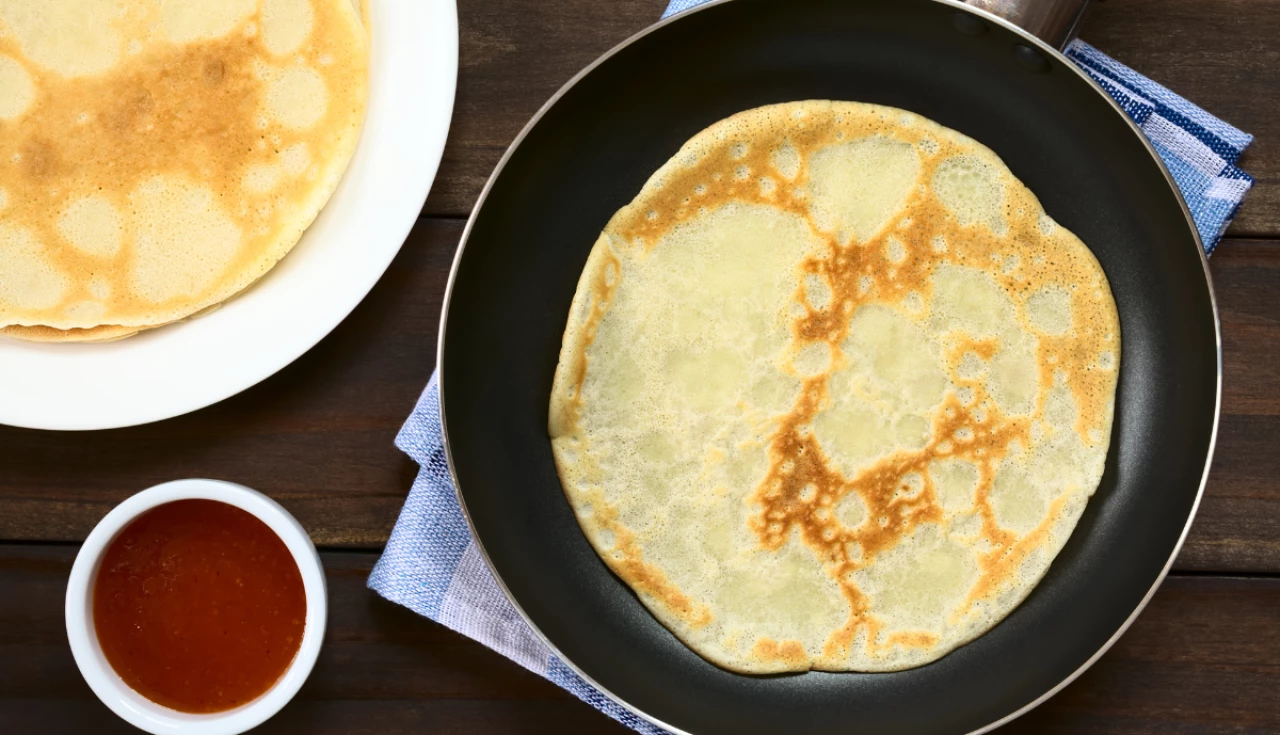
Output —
(182, 367)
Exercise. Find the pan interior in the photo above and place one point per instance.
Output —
(590, 153)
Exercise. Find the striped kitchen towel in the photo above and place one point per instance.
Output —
(1198, 149)
(433, 567)
(431, 564)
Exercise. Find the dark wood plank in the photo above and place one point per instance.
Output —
(342, 717)
(1201, 659)
(1238, 526)
(512, 56)
(1220, 54)
(318, 436)
(515, 54)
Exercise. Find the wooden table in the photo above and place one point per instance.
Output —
(1203, 658)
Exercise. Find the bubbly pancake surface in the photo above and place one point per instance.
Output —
(157, 157)
(834, 390)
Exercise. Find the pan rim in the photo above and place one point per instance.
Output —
(959, 5)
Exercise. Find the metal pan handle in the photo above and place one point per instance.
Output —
(1053, 21)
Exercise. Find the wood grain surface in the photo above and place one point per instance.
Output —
(1222, 54)
(383, 670)
(318, 437)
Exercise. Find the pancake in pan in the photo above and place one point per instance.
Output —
(158, 157)
(834, 390)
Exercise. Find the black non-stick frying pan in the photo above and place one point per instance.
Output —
(587, 154)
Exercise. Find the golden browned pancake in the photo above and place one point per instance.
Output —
(834, 390)
(158, 157)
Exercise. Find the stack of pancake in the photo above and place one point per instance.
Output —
(158, 157)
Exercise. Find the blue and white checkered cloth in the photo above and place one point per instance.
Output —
(431, 564)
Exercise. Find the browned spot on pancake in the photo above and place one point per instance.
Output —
(802, 487)
(628, 563)
(129, 113)
(1001, 564)
(603, 284)
(214, 71)
(913, 639)
(37, 159)
(790, 652)
(648, 579)
(1076, 357)
(984, 348)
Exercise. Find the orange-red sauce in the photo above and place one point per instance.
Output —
(199, 606)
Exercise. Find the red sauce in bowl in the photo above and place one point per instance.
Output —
(199, 606)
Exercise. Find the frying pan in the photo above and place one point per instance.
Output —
(589, 151)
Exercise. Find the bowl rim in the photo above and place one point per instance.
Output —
(133, 707)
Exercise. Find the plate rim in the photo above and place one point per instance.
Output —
(433, 21)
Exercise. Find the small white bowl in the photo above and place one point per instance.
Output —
(136, 709)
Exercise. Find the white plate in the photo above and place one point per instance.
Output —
(182, 367)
